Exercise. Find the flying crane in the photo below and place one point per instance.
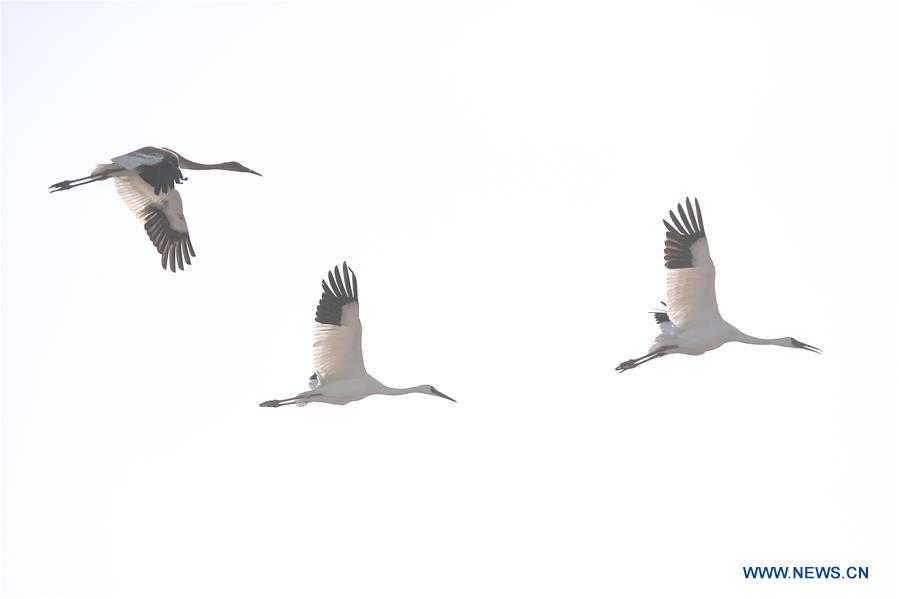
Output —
(146, 179)
(690, 323)
(340, 376)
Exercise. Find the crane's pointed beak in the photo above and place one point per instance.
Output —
(249, 170)
(439, 394)
(802, 345)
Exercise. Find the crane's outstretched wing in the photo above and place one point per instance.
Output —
(162, 215)
(691, 273)
(337, 346)
(158, 167)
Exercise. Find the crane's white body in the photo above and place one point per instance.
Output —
(340, 376)
(343, 391)
(697, 340)
(691, 323)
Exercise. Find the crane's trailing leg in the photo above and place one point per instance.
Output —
(277, 403)
(300, 400)
(628, 364)
(63, 185)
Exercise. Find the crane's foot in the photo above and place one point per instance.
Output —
(272, 403)
(626, 365)
(61, 186)
(73, 183)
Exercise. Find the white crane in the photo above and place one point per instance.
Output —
(146, 179)
(691, 323)
(340, 376)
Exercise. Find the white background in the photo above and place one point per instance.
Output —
(496, 174)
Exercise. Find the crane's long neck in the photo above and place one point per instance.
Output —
(744, 338)
(385, 390)
(199, 166)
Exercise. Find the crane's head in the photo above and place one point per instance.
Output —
(801, 345)
(238, 167)
(431, 390)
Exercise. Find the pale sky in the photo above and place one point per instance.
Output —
(496, 173)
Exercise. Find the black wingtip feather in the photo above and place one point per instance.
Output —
(340, 286)
(687, 224)
(173, 246)
(334, 297)
(681, 235)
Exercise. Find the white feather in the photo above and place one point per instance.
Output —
(691, 291)
(337, 349)
(138, 195)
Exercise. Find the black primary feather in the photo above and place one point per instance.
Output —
(682, 235)
(343, 290)
(174, 246)
(661, 315)
(163, 175)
